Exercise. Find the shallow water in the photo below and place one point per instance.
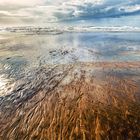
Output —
(18, 52)
(71, 86)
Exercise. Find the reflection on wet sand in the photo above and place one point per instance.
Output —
(74, 101)
(6, 85)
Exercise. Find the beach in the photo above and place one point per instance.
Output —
(70, 86)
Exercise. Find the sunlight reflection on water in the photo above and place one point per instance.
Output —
(5, 85)
(23, 53)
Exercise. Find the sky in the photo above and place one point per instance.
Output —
(70, 12)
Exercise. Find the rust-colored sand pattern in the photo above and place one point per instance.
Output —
(74, 102)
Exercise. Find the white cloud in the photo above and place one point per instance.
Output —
(132, 8)
(21, 2)
(46, 11)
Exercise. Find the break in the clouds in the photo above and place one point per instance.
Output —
(95, 12)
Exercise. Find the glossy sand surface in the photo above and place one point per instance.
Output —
(64, 97)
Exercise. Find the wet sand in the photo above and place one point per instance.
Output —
(79, 101)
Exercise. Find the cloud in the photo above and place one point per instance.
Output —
(92, 10)
(50, 11)
(21, 2)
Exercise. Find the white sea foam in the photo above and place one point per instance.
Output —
(59, 29)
